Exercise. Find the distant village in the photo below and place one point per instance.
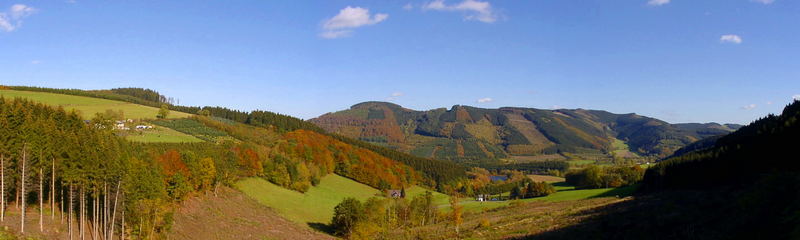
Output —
(125, 125)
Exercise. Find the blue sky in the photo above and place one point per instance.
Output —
(679, 60)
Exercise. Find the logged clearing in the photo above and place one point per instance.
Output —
(546, 178)
(88, 106)
(232, 215)
(520, 220)
(315, 206)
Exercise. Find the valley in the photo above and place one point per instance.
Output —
(293, 178)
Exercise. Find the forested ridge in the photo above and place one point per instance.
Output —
(743, 185)
(434, 172)
(481, 136)
(766, 146)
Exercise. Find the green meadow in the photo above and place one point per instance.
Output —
(89, 106)
(315, 205)
(564, 193)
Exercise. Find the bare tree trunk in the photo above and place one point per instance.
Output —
(22, 219)
(53, 191)
(69, 218)
(2, 188)
(95, 215)
(122, 234)
(62, 203)
(41, 200)
(105, 210)
(82, 222)
(114, 212)
(216, 186)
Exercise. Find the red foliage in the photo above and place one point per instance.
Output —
(249, 160)
(172, 164)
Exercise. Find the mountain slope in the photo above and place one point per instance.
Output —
(470, 134)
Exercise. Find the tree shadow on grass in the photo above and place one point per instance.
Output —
(321, 227)
(618, 192)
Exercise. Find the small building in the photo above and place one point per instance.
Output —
(394, 193)
(482, 197)
(142, 127)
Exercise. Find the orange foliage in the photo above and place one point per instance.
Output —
(248, 158)
(359, 164)
(172, 164)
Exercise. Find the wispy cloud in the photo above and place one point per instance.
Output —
(349, 18)
(485, 100)
(731, 38)
(12, 19)
(657, 2)
(408, 6)
(395, 96)
(36, 62)
(749, 107)
(764, 1)
(473, 9)
(796, 97)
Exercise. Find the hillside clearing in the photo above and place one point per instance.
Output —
(232, 215)
(88, 106)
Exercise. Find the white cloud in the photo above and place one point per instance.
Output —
(657, 2)
(36, 62)
(796, 97)
(764, 1)
(395, 96)
(408, 6)
(335, 34)
(769, 102)
(473, 9)
(12, 19)
(485, 100)
(349, 18)
(749, 107)
(731, 38)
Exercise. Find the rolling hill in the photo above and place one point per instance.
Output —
(470, 134)
(88, 106)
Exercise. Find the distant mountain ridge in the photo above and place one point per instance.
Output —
(468, 134)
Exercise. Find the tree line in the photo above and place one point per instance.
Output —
(595, 176)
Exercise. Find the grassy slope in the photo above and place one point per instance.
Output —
(89, 106)
(565, 193)
(161, 134)
(314, 206)
(438, 198)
